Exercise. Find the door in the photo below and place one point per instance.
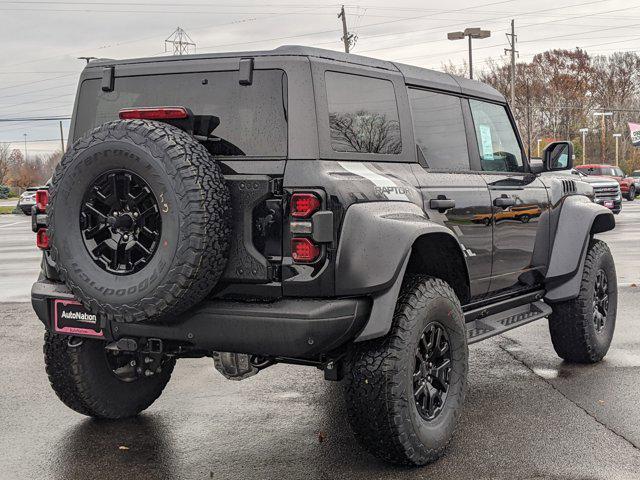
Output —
(519, 201)
(453, 195)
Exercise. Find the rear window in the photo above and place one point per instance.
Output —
(253, 120)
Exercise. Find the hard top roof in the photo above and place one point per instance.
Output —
(412, 74)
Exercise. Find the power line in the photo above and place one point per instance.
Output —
(35, 119)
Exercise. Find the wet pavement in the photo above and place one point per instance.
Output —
(527, 414)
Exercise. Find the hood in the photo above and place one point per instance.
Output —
(598, 180)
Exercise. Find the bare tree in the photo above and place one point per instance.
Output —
(364, 132)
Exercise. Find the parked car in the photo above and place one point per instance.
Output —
(606, 191)
(308, 207)
(636, 177)
(627, 184)
(28, 198)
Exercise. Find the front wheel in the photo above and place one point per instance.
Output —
(98, 383)
(582, 328)
(404, 392)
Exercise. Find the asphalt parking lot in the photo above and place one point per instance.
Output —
(527, 414)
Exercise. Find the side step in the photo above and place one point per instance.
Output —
(483, 328)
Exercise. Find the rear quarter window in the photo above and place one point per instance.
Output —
(253, 119)
(363, 114)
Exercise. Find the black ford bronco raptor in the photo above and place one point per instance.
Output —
(303, 206)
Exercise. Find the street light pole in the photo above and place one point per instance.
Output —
(25, 146)
(617, 136)
(471, 33)
(603, 134)
(584, 132)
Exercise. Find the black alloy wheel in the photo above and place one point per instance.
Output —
(432, 370)
(600, 300)
(120, 222)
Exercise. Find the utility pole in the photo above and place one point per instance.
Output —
(584, 132)
(181, 43)
(349, 39)
(528, 117)
(61, 137)
(25, 146)
(512, 39)
(617, 137)
(603, 137)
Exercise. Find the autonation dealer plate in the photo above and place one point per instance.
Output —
(72, 318)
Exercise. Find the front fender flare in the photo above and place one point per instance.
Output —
(580, 218)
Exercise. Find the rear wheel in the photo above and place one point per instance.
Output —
(98, 383)
(582, 328)
(404, 392)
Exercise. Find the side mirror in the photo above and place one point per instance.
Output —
(558, 156)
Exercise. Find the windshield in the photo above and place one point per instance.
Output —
(253, 120)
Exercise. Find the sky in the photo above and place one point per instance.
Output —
(41, 39)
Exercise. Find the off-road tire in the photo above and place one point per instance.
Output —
(195, 213)
(81, 378)
(378, 384)
(573, 331)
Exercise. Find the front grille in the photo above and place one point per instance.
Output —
(606, 193)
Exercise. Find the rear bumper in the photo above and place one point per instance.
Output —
(290, 327)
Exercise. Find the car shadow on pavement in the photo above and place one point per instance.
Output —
(141, 447)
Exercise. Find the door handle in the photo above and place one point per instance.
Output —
(504, 201)
(441, 203)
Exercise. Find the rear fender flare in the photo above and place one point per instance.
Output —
(375, 247)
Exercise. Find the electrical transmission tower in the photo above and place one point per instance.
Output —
(180, 42)
(349, 39)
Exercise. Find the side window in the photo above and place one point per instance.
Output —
(363, 114)
(438, 127)
(497, 141)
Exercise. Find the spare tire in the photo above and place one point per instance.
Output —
(139, 221)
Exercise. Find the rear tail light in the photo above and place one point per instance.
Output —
(153, 113)
(42, 239)
(303, 250)
(303, 205)
(42, 200)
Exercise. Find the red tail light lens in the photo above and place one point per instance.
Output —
(42, 239)
(42, 200)
(304, 250)
(153, 113)
(303, 205)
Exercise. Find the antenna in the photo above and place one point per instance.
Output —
(180, 42)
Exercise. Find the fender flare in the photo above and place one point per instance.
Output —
(373, 255)
(579, 220)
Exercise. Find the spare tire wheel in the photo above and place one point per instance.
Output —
(139, 221)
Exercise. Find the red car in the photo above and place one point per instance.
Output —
(627, 184)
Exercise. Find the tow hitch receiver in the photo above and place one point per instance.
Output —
(148, 357)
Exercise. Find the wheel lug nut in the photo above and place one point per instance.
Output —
(135, 214)
(125, 238)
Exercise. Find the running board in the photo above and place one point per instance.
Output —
(483, 328)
